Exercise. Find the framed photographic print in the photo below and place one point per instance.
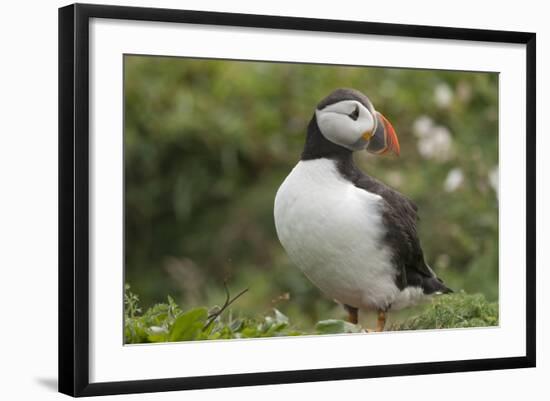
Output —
(295, 199)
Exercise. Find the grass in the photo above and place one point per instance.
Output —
(166, 322)
(453, 311)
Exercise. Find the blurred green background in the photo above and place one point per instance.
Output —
(208, 142)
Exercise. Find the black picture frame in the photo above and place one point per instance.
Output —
(74, 198)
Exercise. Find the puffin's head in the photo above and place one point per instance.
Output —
(347, 118)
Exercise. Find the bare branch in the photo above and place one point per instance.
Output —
(228, 301)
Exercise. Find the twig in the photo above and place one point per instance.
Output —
(227, 303)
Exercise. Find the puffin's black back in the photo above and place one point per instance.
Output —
(399, 218)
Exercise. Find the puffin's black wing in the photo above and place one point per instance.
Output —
(400, 218)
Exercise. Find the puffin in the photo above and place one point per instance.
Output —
(353, 237)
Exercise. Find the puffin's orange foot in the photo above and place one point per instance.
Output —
(380, 323)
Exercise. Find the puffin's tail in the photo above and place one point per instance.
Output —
(434, 285)
(431, 284)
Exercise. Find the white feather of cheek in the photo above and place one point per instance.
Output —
(365, 123)
(338, 128)
(342, 130)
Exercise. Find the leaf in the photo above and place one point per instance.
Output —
(250, 332)
(335, 326)
(157, 334)
(280, 317)
(188, 325)
(236, 325)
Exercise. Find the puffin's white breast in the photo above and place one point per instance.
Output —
(333, 232)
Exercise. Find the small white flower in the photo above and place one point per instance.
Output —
(443, 95)
(494, 179)
(437, 144)
(422, 126)
(157, 330)
(454, 179)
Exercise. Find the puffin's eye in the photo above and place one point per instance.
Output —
(355, 114)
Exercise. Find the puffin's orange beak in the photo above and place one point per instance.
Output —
(391, 137)
(384, 139)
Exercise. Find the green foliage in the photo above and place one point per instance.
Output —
(167, 322)
(208, 142)
(154, 325)
(189, 325)
(454, 311)
(335, 326)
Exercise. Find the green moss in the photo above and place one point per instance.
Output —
(453, 311)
